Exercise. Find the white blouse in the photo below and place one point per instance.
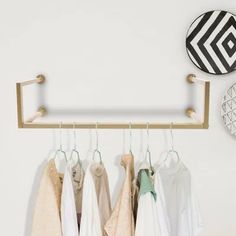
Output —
(179, 200)
(147, 222)
(90, 220)
(68, 208)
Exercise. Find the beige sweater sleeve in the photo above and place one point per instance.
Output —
(46, 219)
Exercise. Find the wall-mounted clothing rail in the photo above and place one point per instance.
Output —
(190, 112)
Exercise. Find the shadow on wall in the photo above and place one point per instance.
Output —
(112, 112)
(191, 99)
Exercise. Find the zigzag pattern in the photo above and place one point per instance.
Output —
(211, 42)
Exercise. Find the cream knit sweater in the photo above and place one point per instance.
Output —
(46, 219)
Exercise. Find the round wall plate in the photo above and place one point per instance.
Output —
(228, 109)
(211, 42)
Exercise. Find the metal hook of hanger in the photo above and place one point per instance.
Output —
(60, 148)
(130, 138)
(148, 135)
(60, 128)
(172, 143)
(148, 153)
(97, 135)
(171, 150)
(75, 150)
(75, 136)
(96, 150)
(172, 136)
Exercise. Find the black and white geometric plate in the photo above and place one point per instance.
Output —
(211, 42)
(228, 109)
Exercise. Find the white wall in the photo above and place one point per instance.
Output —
(115, 55)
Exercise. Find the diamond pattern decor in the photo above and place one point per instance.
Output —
(228, 109)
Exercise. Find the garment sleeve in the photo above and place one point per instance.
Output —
(46, 219)
(196, 219)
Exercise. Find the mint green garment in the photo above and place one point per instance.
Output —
(145, 183)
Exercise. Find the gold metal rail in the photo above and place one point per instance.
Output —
(190, 112)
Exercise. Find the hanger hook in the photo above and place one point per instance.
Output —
(74, 150)
(97, 147)
(148, 137)
(172, 136)
(60, 127)
(148, 153)
(96, 130)
(75, 136)
(130, 137)
(60, 149)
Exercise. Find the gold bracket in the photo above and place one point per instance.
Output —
(190, 112)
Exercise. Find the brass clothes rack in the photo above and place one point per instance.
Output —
(40, 79)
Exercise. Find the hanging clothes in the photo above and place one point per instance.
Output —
(90, 220)
(46, 219)
(147, 217)
(181, 205)
(121, 222)
(78, 180)
(161, 206)
(68, 208)
(100, 179)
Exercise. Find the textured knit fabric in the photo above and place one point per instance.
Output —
(121, 222)
(103, 193)
(90, 219)
(46, 219)
(68, 208)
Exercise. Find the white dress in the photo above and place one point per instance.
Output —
(179, 200)
(90, 220)
(147, 222)
(68, 208)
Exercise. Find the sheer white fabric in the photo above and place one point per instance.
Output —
(180, 201)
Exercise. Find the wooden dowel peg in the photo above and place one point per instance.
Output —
(40, 79)
(190, 112)
(191, 78)
(41, 112)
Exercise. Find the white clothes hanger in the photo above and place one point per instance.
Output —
(148, 152)
(96, 150)
(171, 150)
(130, 139)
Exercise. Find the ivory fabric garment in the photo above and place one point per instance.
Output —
(147, 222)
(90, 220)
(68, 208)
(121, 222)
(78, 181)
(100, 179)
(161, 207)
(181, 205)
(46, 219)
